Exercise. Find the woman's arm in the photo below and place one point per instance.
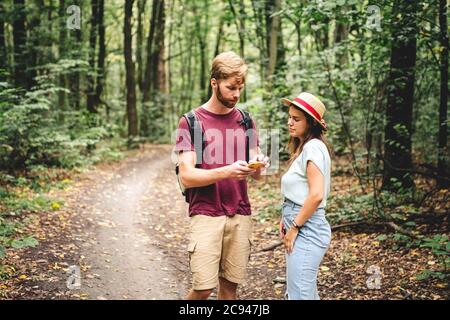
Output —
(312, 202)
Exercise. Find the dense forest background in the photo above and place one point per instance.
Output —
(81, 80)
(74, 73)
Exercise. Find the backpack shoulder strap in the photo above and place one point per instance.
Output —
(190, 118)
(247, 122)
(196, 132)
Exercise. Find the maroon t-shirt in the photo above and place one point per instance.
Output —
(225, 144)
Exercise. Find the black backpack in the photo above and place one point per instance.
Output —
(196, 130)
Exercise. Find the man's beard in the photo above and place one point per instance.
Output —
(225, 102)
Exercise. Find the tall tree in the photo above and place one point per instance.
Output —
(49, 38)
(91, 93)
(3, 57)
(296, 20)
(261, 36)
(75, 78)
(269, 39)
(340, 35)
(158, 62)
(139, 41)
(217, 47)
(101, 54)
(130, 70)
(273, 25)
(443, 153)
(62, 52)
(201, 34)
(146, 94)
(35, 57)
(19, 39)
(239, 20)
(397, 146)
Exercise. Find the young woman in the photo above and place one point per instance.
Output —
(305, 186)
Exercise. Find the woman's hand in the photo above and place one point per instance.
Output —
(289, 239)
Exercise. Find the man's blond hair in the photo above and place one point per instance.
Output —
(228, 64)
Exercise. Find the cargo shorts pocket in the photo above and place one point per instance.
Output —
(191, 249)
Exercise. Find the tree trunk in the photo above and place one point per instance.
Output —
(261, 38)
(341, 34)
(101, 54)
(34, 38)
(173, 115)
(129, 66)
(240, 23)
(140, 39)
(397, 145)
(340, 63)
(273, 25)
(201, 34)
(3, 57)
(239, 20)
(91, 94)
(217, 48)
(158, 64)
(76, 54)
(443, 153)
(150, 44)
(19, 40)
(48, 42)
(169, 48)
(62, 52)
(160, 105)
(146, 94)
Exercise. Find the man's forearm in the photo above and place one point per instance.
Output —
(194, 177)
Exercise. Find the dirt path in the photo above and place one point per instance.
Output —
(121, 249)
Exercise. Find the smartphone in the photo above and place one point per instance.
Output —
(256, 165)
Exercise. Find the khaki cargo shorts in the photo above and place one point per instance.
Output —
(219, 247)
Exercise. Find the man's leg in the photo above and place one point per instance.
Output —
(235, 255)
(205, 246)
(198, 294)
(227, 289)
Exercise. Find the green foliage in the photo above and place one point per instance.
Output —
(381, 237)
(2, 251)
(15, 205)
(439, 244)
(12, 221)
(8, 228)
(440, 247)
(426, 274)
(30, 134)
(24, 243)
(269, 212)
(350, 208)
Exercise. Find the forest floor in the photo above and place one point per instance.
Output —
(124, 226)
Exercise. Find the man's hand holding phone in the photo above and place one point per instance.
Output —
(240, 170)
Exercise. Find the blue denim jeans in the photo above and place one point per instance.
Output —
(312, 242)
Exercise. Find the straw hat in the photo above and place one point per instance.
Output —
(310, 104)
